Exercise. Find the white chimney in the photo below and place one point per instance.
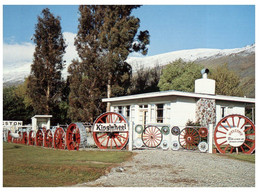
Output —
(205, 85)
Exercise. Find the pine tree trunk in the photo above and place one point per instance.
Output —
(109, 92)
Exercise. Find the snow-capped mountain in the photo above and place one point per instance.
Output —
(187, 55)
(16, 70)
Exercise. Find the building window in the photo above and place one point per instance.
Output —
(159, 118)
(127, 112)
(120, 109)
(223, 112)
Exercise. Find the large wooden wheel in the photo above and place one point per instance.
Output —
(110, 131)
(152, 136)
(235, 133)
(9, 138)
(39, 138)
(59, 139)
(73, 137)
(48, 138)
(25, 138)
(31, 140)
(189, 138)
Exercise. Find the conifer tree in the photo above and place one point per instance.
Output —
(45, 81)
(106, 35)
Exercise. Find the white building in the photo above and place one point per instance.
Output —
(176, 108)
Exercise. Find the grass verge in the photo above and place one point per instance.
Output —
(243, 157)
(31, 166)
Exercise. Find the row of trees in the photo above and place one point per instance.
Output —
(106, 36)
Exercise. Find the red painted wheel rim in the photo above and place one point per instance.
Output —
(73, 137)
(189, 138)
(19, 140)
(59, 139)
(31, 140)
(110, 140)
(152, 136)
(9, 138)
(203, 132)
(233, 122)
(25, 138)
(39, 138)
(48, 138)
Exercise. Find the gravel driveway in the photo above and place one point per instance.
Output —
(158, 168)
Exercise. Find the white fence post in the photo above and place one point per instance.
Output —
(210, 138)
(130, 145)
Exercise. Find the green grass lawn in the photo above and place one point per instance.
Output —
(243, 157)
(31, 166)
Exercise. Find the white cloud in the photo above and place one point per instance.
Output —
(17, 58)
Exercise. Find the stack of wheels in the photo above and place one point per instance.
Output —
(106, 138)
(189, 138)
(235, 133)
(59, 139)
(48, 139)
(19, 140)
(203, 145)
(76, 136)
(138, 131)
(176, 132)
(31, 139)
(152, 136)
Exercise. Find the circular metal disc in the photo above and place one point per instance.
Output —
(203, 146)
(175, 146)
(176, 130)
(165, 130)
(138, 143)
(165, 145)
(139, 129)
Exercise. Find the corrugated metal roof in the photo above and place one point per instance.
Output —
(179, 93)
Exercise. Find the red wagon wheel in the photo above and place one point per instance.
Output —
(73, 137)
(19, 140)
(235, 133)
(107, 139)
(59, 139)
(189, 138)
(31, 138)
(39, 138)
(203, 132)
(25, 138)
(9, 138)
(152, 136)
(48, 138)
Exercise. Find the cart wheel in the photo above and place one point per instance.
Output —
(25, 138)
(203, 147)
(139, 129)
(31, 137)
(152, 136)
(189, 138)
(203, 131)
(175, 146)
(73, 137)
(39, 138)
(59, 139)
(48, 138)
(9, 138)
(108, 139)
(235, 133)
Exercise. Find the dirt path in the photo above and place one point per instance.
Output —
(157, 168)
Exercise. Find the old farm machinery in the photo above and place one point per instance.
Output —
(233, 133)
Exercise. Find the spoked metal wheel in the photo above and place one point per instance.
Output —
(59, 139)
(31, 137)
(235, 133)
(152, 136)
(73, 137)
(39, 138)
(48, 138)
(189, 138)
(108, 137)
(203, 132)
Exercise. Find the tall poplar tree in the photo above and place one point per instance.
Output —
(45, 81)
(106, 35)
